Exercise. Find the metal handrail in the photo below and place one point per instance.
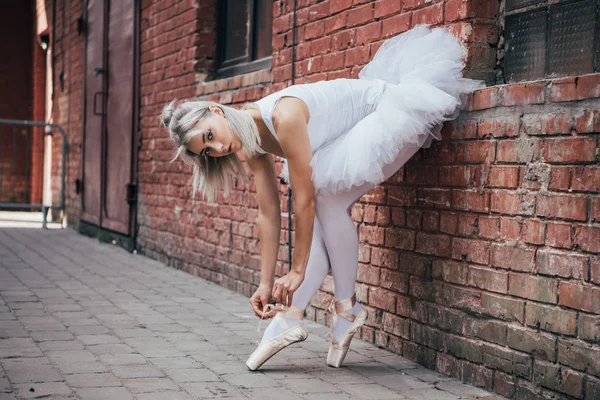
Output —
(43, 207)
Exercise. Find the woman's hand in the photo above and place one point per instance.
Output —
(284, 287)
(260, 299)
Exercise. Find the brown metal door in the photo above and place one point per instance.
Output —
(94, 110)
(109, 130)
(119, 115)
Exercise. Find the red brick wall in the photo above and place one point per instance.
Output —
(68, 100)
(479, 259)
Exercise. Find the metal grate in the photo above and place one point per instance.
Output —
(571, 38)
(525, 37)
(514, 4)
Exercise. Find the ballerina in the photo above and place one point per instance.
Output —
(338, 139)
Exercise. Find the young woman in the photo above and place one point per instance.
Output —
(339, 139)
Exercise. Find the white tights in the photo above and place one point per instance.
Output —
(335, 244)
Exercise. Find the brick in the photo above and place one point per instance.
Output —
(477, 375)
(503, 177)
(533, 231)
(472, 250)
(460, 175)
(383, 299)
(464, 348)
(488, 279)
(595, 209)
(371, 234)
(589, 328)
(562, 206)
(475, 151)
(368, 274)
(384, 258)
(423, 289)
(559, 379)
(471, 200)
(437, 198)
(560, 178)
(588, 86)
(433, 244)
(587, 238)
(396, 25)
(394, 281)
(335, 23)
(546, 124)
(563, 89)
(485, 98)
(460, 298)
(533, 287)
(398, 196)
(541, 345)
(396, 325)
(515, 258)
(384, 8)
(587, 121)
(368, 33)
(449, 222)
(527, 93)
(360, 15)
(579, 355)
(504, 385)
(450, 271)
(567, 265)
(518, 151)
(400, 238)
(447, 319)
(510, 228)
(488, 330)
(433, 14)
(595, 270)
(559, 235)
(569, 150)
(550, 318)
(586, 179)
(579, 296)
(426, 336)
(467, 224)
(489, 227)
(339, 5)
(592, 389)
(509, 361)
(499, 127)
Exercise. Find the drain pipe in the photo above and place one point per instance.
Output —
(289, 187)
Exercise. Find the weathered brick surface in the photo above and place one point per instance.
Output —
(497, 223)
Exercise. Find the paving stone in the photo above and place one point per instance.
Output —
(42, 390)
(92, 380)
(175, 362)
(61, 345)
(5, 385)
(104, 393)
(149, 385)
(171, 395)
(122, 359)
(212, 390)
(192, 375)
(53, 336)
(110, 349)
(18, 347)
(136, 371)
(23, 370)
(430, 394)
(310, 385)
(98, 339)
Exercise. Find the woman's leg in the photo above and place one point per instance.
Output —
(316, 270)
(340, 234)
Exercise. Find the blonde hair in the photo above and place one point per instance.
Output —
(210, 174)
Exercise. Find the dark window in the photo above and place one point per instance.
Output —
(245, 33)
(549, 39)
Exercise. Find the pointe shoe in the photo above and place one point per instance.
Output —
(272, 346)
(339, 349)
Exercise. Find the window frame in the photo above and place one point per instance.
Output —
(228, 68)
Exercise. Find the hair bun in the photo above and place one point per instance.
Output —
(167, 113)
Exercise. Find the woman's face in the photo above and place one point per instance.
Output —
(216, 139)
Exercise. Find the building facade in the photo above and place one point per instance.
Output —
(479, 259)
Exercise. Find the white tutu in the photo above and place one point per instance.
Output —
(423, 71)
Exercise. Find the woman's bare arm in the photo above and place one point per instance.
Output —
(291, 126)
(269, 226)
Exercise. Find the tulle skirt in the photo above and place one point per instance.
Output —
(422, 69)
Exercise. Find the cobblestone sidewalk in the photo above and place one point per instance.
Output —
(85, 320)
